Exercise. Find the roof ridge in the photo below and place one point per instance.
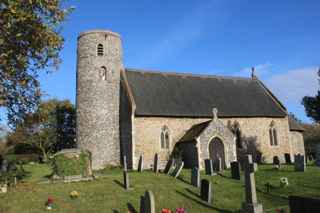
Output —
(183, 74)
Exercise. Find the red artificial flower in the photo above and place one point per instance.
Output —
(180, 210)
(166, 211)
(50, 200)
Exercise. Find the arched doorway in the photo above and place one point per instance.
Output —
(216, 151)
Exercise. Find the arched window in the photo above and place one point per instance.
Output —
(165, 138)
(100, 50)
(273, 134)
(103, 73)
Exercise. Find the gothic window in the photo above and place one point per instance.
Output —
(103, 73)
(100, 50)
(165, 138)
(273, 134)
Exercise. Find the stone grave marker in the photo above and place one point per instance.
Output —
(177, 169)
(125, 166)
(299, 163)
(304, 204)
(195, 177)
(251, 204)
(276, 162)
(142, 204)
(318, 155)
(287, 158)
(156, 163)
(149, 203)
(208, 167)
(235, 170)
(126, 181)
(205, 190)
(217, 165)
(169, 166)
(140, 164)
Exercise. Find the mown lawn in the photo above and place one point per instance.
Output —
(107, 195)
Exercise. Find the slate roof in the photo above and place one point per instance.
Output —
(187, 95)
(294, 125)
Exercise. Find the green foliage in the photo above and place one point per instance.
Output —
(30, 41)
(23, 158)
(49, 129)
(312, 105)
(64, 165)
(311, 137)
(15, 170)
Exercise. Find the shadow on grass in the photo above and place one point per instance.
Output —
(202, 203)
(183, 180)
(119, 183)
(131, 208)
(193, 193)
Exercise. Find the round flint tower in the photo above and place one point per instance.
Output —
(99, 61)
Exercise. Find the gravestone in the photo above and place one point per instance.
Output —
(69, 163)
(318, 155)
(177, 169)
(205, 190)
(195, 177)
(156, 163)
(126, 181)
(149, 203)
(140, 164)
(4, 166)
(299, 163)
(250, 205)
(287, 158)
(276, 162)
(217, 165)
(304, 204)
(142, 204)
(208, 167)
(235, 170)
(125, 166)
(169, 166)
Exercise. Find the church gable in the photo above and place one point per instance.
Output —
(185, 95)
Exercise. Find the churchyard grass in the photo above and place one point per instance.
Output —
(107, 193)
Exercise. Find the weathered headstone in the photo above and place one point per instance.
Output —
(318, 155)
(217, 165)
(235, 170)
(276, 162)
(205, 191)
(177, 169)
(142, 204)
(125, 166)
(299, 163)
(126, 181)
(149, 203)
(304, 204)
(195, 177)
(287, 158)
(169, 166)
(250, 205)
(140, 164)
(208, 167)
(156, 163)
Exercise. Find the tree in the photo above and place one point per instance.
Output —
(30, 41)
(50, 128)
(312, 105)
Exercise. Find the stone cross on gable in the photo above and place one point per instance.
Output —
(215, 114)
(250, 205)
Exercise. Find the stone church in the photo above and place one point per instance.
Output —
(135, 113)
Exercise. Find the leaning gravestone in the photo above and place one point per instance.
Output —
(140, 164)
(276, 162)
(149, 203)
(72, 165)
(177, 169)
(235, 170)
(299, 163)
(251, 204)
(169, 166)
(195, 177)
(126, 181)
(318, 155)
(205, 191)
(156, 163)
(208, 167)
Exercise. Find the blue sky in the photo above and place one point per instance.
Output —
(224, 37)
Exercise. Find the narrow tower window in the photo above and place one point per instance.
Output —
(100, 50)
(103, 73)
(273, 134)
(165, 138)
